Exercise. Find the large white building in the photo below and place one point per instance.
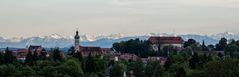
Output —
(158, 43)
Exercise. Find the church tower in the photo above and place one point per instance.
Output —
(77, 42)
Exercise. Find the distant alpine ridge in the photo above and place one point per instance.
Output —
(105, 41)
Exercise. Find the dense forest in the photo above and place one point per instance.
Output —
(189, 62)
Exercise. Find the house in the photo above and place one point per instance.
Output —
(21, 54)
(107, 51)
(158, 43)
(162, 60)
(35, 48)
(86, 50)
(124, 56)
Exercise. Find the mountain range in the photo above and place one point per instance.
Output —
(105, 41)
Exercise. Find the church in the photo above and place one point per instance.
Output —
(86, 50)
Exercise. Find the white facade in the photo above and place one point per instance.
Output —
(157, 47)
(174, 45)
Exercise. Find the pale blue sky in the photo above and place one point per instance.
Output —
(44, 17)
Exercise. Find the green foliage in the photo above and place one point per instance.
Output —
(168, 64)
(27, 71)
(137, 67)
(118, 70)
(1, 58)
(227, 68)
(180, 64)
(154, 69)
(8, 56)
(29, 59)
(72, 68)
(194, 61)
(180, 73)
(90, 65)
(134, 46)
(193, 44)
(8, 70)
(232, 50)
(222, 44)
(56, 54)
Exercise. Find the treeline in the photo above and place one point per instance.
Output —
(142, 48)
(189, 62)
(56, 64)
(134, 46)
(186, 63)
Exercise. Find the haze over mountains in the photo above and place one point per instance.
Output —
(106, 41)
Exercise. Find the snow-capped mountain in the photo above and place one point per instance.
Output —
(228, 35)
(54, 36)
(57, 40)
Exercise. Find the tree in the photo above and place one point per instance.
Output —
(194, 61)
(43, 55)
(1, 58)
(8, 70)
(8, 56)
(225, 68)
(222, 44)
(180, 73)
(189, 42)
(27, 71)
(134, 46)
(71, 50)
(211, 47)
(90, 65)
(56, 54)
(138, 68)
(158, 71)
(168, 63)
(118, 70)
(73, 68)
(193, 44)
(35, 56)
(231, 49)
(29, 58)
(153, 69)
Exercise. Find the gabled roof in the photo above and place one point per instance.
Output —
(90, 49)
(22, 51)
(34, 47)
(166, 40)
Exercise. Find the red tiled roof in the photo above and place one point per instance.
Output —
(166, 40)
(106, 49)
(90, 49)
(22, 51)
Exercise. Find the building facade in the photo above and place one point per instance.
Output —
(86, 50)
(158, 43)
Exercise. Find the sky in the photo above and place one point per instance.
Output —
(26, 18)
